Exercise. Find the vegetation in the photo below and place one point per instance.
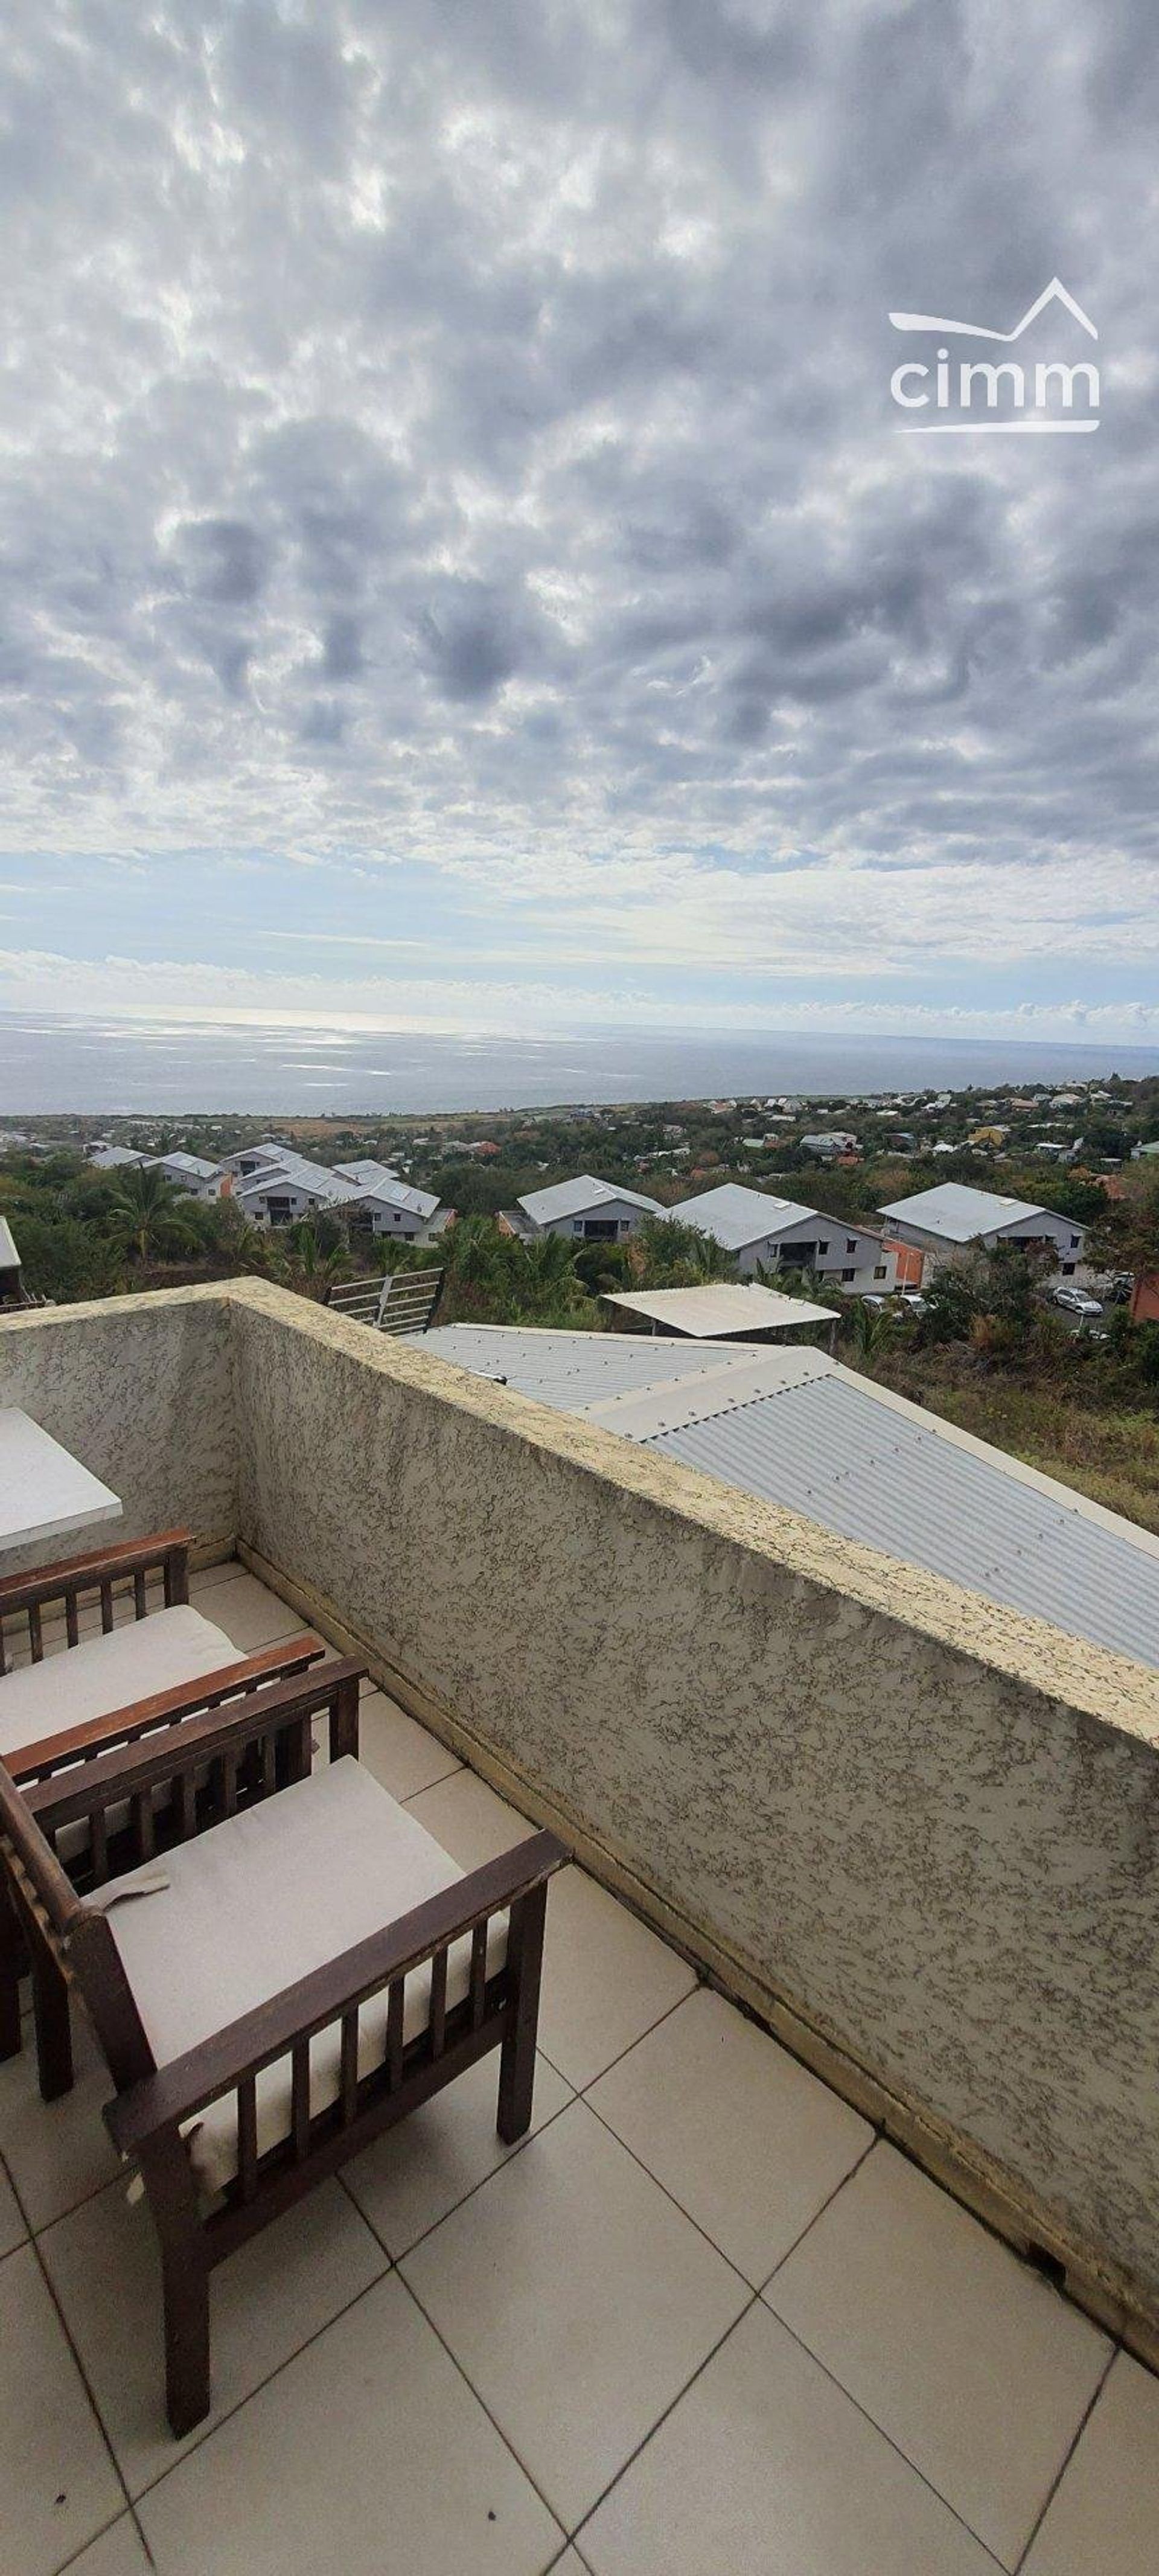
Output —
(989, 1351)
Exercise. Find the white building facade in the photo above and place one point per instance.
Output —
(766, 1233)
(587, 1211)
(951, 1221)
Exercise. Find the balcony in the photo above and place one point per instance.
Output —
(834, 2248)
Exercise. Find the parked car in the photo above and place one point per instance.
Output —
(912, 1300)
(1075, 1301)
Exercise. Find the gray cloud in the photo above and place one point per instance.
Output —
(478, 418)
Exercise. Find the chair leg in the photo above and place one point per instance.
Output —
(12, 1963)
(517, 2056)
(53, 2022)
(185, 2291)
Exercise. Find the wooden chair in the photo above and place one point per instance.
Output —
(341, 1972)
(176, 1664)
(169, 1663)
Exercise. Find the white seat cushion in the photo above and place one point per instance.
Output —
(103, 1674)
(260, 1901)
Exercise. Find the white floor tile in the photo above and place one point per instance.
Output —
(409, 2179)
(398, 1750)
(968, 2360)
(12, 2228)
(56, 2152)
(577, 2300)
(58, 2486)
(1105, 2513)
(766, 2469)
(606, 1978)
(747, 2141)
(471, 1822)
(252, 1616)
(367, 2455)
(266, 2301)
(209, 1578)
(120, 2551)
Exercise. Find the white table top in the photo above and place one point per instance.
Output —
(45, 1492)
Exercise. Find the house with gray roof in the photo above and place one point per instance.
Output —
(193, 1173)
(767, 1233)
(951, 1220)
(584, 1210)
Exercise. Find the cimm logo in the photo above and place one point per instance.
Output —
(970, 395)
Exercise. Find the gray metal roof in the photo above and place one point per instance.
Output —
(394, 1193)
(194, 1166)
(367, 1174)
(734, 1215)
(796, 1428)
(961, 1214)
(569, 1370)
(575, 1198)
(835, 1452)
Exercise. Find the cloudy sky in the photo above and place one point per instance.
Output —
(462, 564)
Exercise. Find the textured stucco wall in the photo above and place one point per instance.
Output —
(928, 1823)
(139, 1389)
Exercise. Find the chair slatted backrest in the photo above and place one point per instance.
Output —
(42, 1883)
(402, 1302)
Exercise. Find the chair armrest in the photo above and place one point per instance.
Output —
(164, 1708)
(105, 1565)
(162, 1755)
(218, 2065)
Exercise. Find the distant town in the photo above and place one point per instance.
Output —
(991, 1255)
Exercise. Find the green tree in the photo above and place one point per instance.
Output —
(872, 1331)
(664, 1252)
(147, 1218)
(303, 1258)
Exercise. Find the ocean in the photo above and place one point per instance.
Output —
(102, 1067)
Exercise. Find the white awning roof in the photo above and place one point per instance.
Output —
(719, 1308)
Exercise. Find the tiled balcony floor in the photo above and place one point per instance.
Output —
(702, 2323)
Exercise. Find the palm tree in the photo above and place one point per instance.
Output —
(873, 1330)
(147, 1217)
(303, 1261)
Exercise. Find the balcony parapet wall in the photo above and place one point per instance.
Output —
(914, 1829)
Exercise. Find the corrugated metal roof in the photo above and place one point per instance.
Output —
(575, 1198)
(569, 1370)
(796, 1428)
(833, 1451)
(961, 1213)
(720, 1307)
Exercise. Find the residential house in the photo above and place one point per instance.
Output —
(584, 1210)
(396, 1209)
(110, 1158)
(770, 1233)
(281, 1186)
(951, 1220)
(192, 1173)
(830, 1147)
